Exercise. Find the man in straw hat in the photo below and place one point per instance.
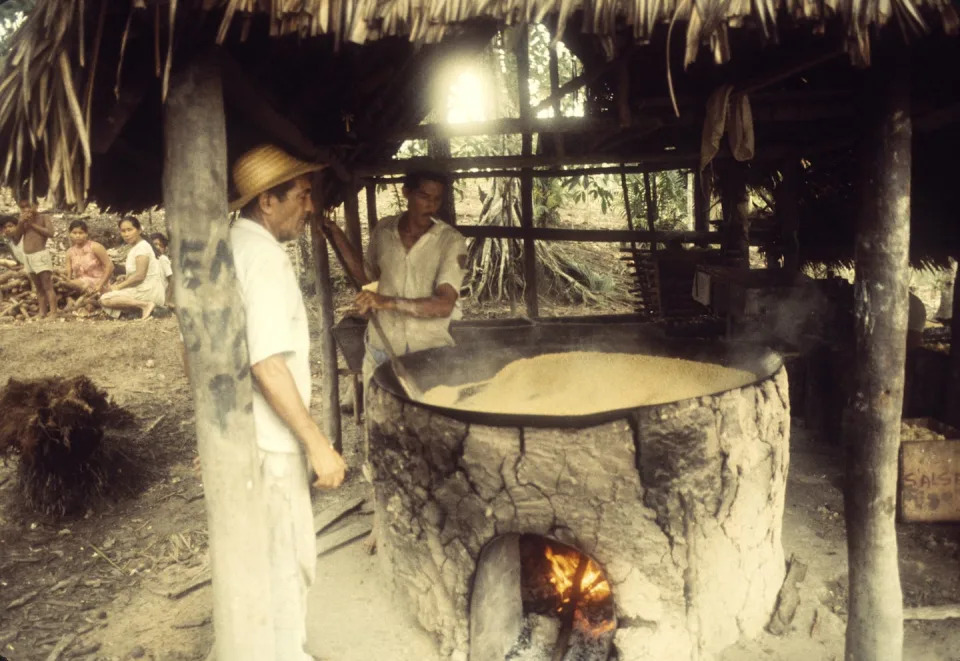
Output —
(274, 198)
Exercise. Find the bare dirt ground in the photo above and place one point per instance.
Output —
(93, 584)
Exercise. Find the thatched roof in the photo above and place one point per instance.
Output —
(76, 83)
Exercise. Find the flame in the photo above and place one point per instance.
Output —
(593, 586)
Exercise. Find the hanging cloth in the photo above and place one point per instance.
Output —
(731, 114)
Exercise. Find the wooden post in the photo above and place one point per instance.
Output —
(875, 621)
(214, 333)
(526, 182)
(439, 149)
(351, 215)
(371, 207)
(328, 348)
(650, 204)
(733, 195)
(785, 206)
(952, 404)
(554, 88)
(701, 206)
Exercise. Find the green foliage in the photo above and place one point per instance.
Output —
(668, 190)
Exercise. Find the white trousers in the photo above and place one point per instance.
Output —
(292, 546)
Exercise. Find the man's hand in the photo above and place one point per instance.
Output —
(368, 300)
(328, 465)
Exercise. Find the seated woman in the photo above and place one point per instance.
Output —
(142, 288)
(88, 264)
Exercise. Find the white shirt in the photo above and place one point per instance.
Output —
(166, 269)
(438, 257)
(144, 249)
(276, 323)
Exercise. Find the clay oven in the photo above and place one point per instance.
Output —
(680, 503)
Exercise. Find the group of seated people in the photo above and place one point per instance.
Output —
(147, 280)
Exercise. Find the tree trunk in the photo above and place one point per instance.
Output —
(875, 623)
(214, 333)
(328, 348)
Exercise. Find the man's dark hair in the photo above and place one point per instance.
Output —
(412, 180)
(251, 208)
(7, 219)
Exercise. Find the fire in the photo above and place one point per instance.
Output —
(593, 586)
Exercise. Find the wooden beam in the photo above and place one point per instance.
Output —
(332, 425)
(591, 236)
(530, 294)
(582, 80)
(803, 63)
(215, 340)
(652, 161)
(872, 421)
(245, 96)
(775, 112)
(351, 216)
(663, 160)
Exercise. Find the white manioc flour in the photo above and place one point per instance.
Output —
(582, 382)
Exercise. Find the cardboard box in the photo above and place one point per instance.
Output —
(929, 486)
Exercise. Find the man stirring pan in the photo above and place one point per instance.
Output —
(274, 196)
(418, 263)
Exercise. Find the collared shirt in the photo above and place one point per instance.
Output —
(437, 258)
(276, 323)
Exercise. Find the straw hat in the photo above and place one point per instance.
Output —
(264, 167)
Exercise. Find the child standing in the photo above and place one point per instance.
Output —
(160, 244)
(28, 238)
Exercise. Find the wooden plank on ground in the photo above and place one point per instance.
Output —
(336, 511)
(343, 535)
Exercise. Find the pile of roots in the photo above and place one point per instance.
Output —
(61, 429)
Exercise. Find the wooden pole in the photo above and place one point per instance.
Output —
(214, 334)
(526, 182)
(785, 206)
(351, 215)
(733, 193)
(439, 148)
(371, 207)
(554, 88)
(952, 407)
(651, 207)
(875, 621)
(328, 348)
